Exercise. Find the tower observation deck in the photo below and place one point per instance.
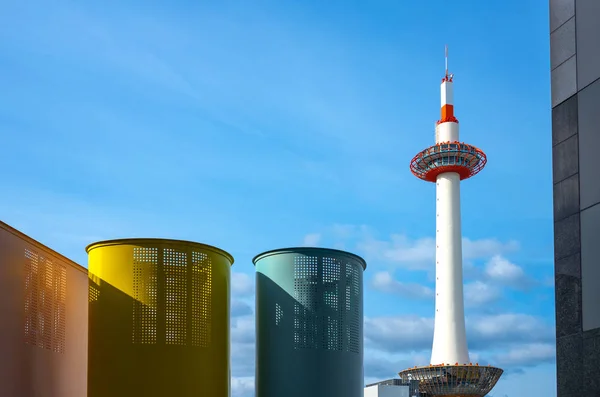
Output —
(446, 163)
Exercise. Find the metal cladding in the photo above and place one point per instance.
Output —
(309, 323)
(158, 319)
(43, 320)
(447, 163)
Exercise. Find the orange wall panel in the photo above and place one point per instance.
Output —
(44, 320)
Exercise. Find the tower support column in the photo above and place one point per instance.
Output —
(449, 338)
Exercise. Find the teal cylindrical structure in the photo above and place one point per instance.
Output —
(309, 323)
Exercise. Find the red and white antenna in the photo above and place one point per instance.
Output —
(446, 60)
(447, 76)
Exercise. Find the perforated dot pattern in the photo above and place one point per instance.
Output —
(352, 309)
(93, 294)
(278, 314)
(179, 281)
(306, 272)
(333, 317)
(145, 291)
(201, 299)
(45, 302)
(175, 271)
(327, 304)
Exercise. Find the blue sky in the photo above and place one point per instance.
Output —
(252, 127)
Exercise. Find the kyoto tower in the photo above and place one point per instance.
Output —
(449, 161)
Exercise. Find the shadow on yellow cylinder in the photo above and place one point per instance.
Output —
(158, 319)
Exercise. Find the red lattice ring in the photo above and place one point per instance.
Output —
(453, 380)
(466, 160)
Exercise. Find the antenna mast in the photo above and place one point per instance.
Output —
(446, 60)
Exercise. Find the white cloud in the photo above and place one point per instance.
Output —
(414, 254)
(242, 359)
(478, 293)
(345, 231)
(506, 328)
(501, 269)
(242, 386)
(379, 367)
(384, 282)
(242, 346)
(420, 253)
(527, 355)
(311, 240)
(403, 251)
(241, 284)
(403, 333)
(473, 249)
(485, 289)
(484, 333)
(240, 308)
(511, 341)
(242, 329)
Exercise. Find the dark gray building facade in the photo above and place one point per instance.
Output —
(575, 76)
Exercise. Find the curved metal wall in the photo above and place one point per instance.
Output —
(158, 319)
(309, 323)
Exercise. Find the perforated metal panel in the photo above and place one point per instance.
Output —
(176, 296)
(182, 284)
(145, 291)
(309, 315)
(201, 299)
(45, 302)
(177, 293)
(60, 309)
(333, 317)
(306, 288)
(318, 320)
(278, 314)
(93, 294)
(353, 293)
(32, 311)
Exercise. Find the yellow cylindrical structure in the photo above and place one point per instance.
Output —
(158, 319)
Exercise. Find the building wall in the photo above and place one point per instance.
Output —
(386, 391)
(413, 385)
(575, 74)
(159, 319)
(371, 391)
(309, 323)
(43, 320)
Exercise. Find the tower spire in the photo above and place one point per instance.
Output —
(446, 60)
(447, 75)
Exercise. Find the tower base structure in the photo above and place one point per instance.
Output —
(453, 380)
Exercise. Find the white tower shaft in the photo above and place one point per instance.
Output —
(449, 337)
